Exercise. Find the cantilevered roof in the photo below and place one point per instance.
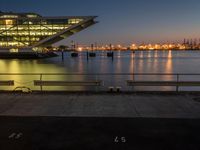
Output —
(87, 21)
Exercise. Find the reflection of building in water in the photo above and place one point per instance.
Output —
(169, 54)
(33, 31)
(149, 54)
(156, 54)
(169, 63)
(132, 63)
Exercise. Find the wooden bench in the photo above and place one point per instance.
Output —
(7, 83)
(67, 83)
(163, 83)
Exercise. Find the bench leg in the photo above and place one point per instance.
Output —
(133, 88)
(177, 88)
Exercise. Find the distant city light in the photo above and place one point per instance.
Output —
(80, 48)
(149, 46)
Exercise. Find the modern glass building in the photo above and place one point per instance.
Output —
(33, 31)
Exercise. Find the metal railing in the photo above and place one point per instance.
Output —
(110, 79)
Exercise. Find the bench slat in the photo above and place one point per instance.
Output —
(7, 83)
(67, 83)
(163, 83)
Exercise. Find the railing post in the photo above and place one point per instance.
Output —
(177, 80)
(87, 56)
(96, 81)
(62, 55)
(41, 84)
(133, 80)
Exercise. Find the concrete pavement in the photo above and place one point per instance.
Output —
(55, 121)
(100, 105)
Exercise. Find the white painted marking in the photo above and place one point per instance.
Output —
(19, 135)
(12, 135)
(15, 135)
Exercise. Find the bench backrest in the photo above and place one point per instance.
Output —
(163, 83)
(67, 83)
(7, 83)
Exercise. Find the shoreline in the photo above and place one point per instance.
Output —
(59, 51)
(26, 55)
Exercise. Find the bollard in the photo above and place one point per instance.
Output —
(110, 54)
(118, 89)
(92, 54)
(111, 89)
(74, 54)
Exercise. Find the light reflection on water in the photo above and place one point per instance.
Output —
(123, 62)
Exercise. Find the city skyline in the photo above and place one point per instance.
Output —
(122, 22)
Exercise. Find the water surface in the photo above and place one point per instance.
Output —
(123, 62)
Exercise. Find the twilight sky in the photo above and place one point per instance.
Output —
(122, 21)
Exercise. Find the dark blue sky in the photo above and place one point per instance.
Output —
(122, 21)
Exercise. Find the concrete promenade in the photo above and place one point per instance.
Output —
(54, 121)
(100, 105)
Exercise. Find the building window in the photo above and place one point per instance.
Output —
(32, 16)
(9, 22)
(74, 21)
(9, 16)
(14, 50)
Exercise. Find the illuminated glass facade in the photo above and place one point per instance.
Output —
(29, 30)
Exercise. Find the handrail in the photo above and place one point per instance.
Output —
(101, 74)
(176, 76)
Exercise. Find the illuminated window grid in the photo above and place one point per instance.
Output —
(20, 33)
